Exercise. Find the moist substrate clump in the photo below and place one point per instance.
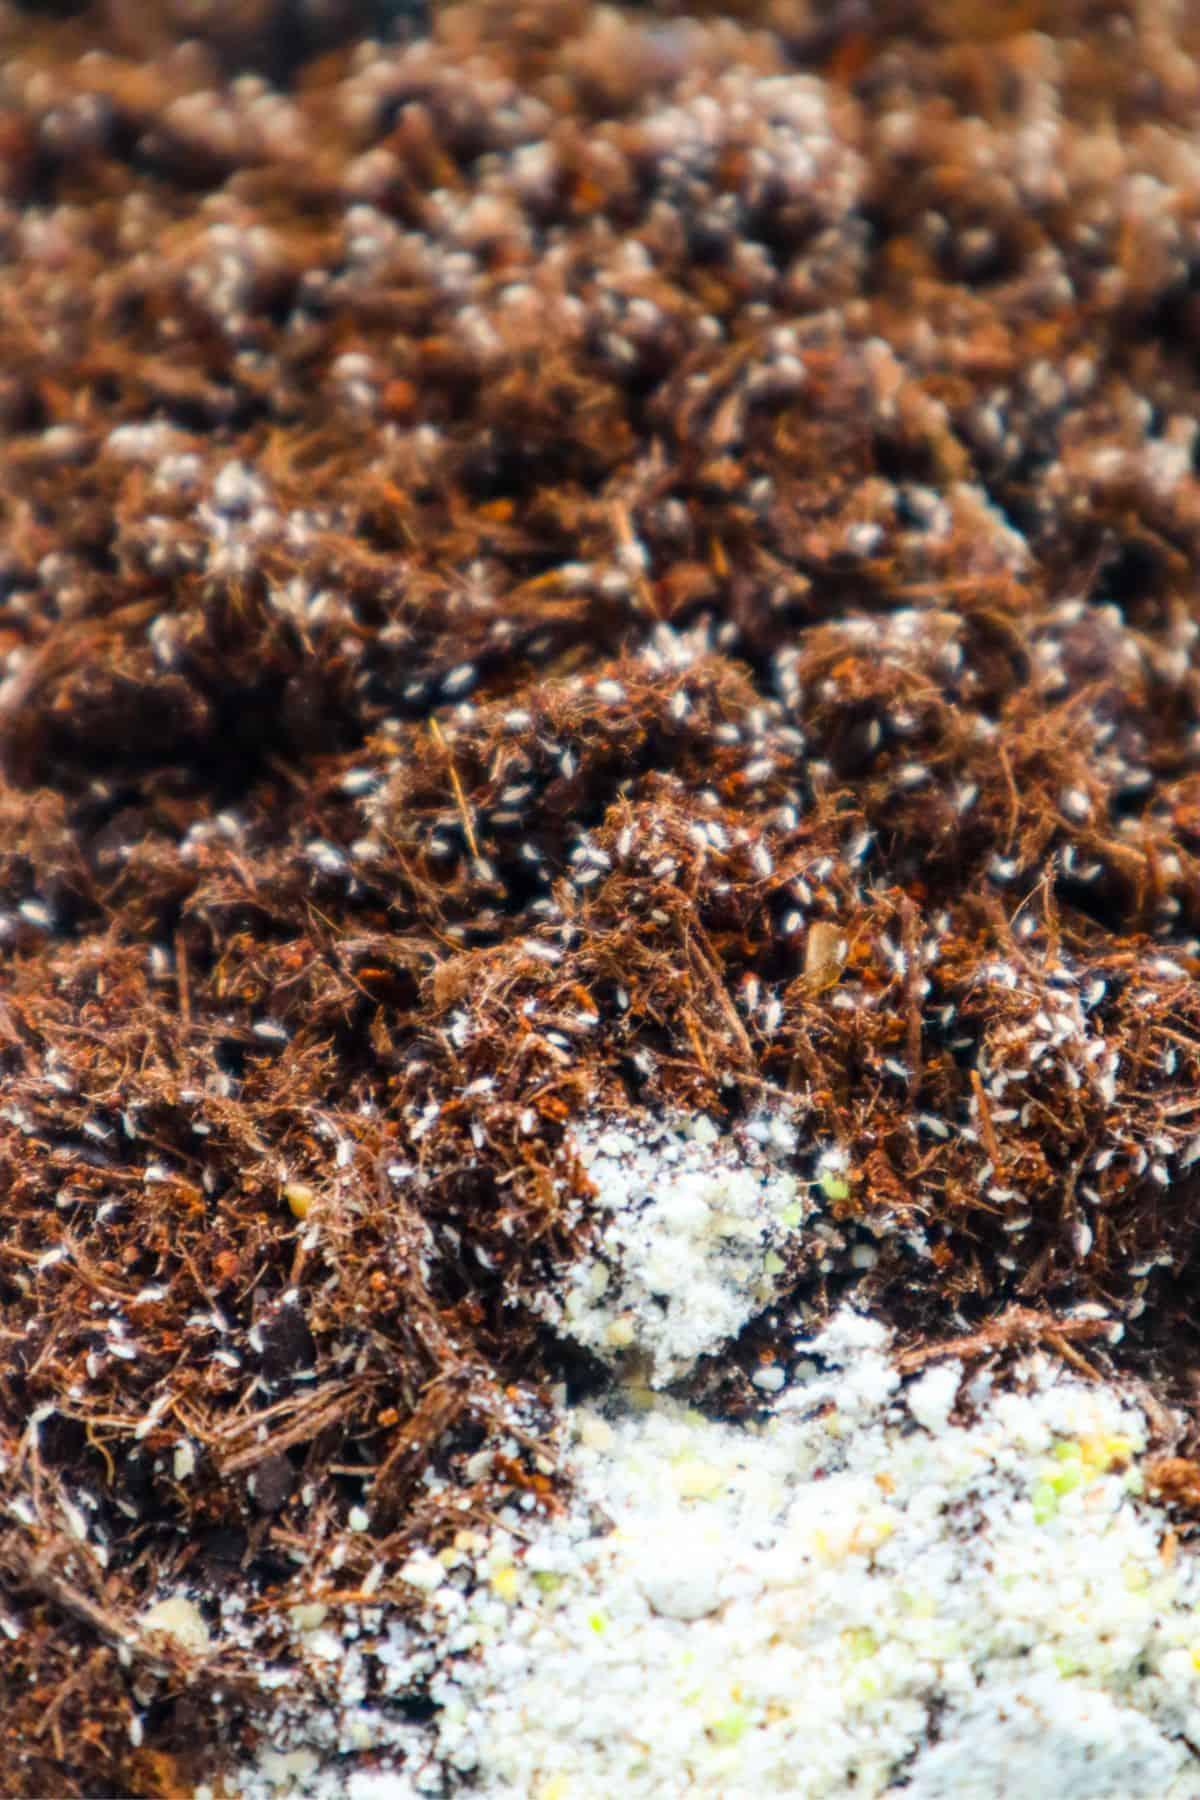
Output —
(582, 568)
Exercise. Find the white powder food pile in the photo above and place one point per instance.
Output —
(687, 1252)
(860, 1594)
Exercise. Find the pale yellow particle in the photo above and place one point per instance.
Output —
(308, 1615)
(506, 1583)
(299, 1197)
(620, 1333)
(871, 1532)
(696, 1480)
(179, 1618)
(596, 1434)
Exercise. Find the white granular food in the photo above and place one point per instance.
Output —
(686, 1254)
(859, 1594)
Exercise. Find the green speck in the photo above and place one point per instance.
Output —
(773, 1263)
(547, 1581)
(1064, 1479)
(1045, 1503)
(792, 1215)
(834, 1187)
(598, 1622)
(862, 1643)
(729, 1727)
